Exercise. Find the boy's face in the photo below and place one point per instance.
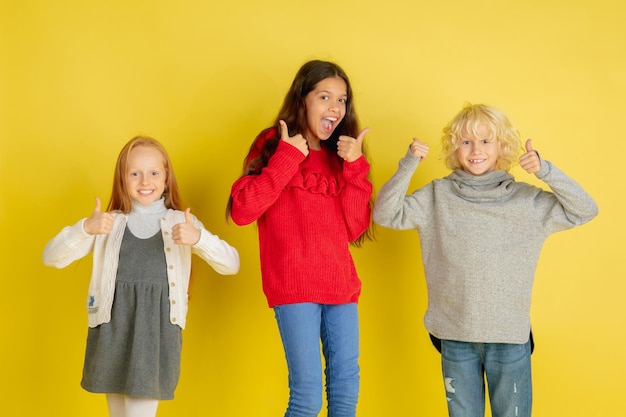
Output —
(478, 154)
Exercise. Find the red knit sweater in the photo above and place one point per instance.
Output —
(308, 210)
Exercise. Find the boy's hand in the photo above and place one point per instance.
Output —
(419, 149)
(99, 223)
(530, 161)
(186, 233)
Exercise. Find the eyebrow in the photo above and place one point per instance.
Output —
(331, 92)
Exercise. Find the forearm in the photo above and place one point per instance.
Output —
(390, 206)
(70, 244)
(578, 206)
(252, 195)
(222, 257)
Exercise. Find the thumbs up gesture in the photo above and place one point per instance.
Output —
(530, 160)
(298, 140)
(419, 149)
(186, 233)
(349, 148)
(99, 223)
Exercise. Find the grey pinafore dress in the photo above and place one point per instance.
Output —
(138, 352)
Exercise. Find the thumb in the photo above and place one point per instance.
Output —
(529, 145)
(97, 209)
(361, 136)
(188, 215)
(284, 131)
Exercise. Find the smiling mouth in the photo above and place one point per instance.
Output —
(476, 161)
(145, 192)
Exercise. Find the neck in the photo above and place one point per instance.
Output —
(314, 144)
(145, 221)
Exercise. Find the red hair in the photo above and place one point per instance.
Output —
(120, 197)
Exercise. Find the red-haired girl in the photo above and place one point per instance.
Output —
(137, 301)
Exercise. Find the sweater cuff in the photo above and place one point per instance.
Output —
(544, 170)
(409, 162)
(357, 168)
(290, 150)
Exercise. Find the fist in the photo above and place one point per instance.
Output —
(298, 140)
(99, 223)
(349, 148)
(186, 233)
(530, 161)
(419, 149)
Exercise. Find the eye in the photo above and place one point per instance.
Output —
(155, 173)
(343, 100)
(134, 174)
(324, 97)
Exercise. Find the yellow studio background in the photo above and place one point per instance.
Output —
(79, 78)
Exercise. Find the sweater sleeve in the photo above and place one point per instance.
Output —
(252, 195)
(393, 207)
(222, 257)
(569, 204)
(356, 196)
(70, 244)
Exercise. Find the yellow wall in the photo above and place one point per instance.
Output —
(79, 78)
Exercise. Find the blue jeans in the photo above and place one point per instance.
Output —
(506, 368)
(301, 327)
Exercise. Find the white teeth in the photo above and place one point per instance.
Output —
(145, 192)
(332, 119)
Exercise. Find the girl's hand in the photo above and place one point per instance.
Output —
(186, 233)
(298, 141)
(100, 223)
(349, 148)
(419, 149)
(530, 161)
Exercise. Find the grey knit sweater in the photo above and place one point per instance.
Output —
(480, 238)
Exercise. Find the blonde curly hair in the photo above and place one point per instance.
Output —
(466, 123)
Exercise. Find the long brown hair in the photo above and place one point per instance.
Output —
(120, 196)
(293, 113)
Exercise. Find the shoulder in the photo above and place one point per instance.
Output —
(174, 215)
(260, 141)
(263, 137)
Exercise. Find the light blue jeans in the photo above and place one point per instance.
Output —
(506, 368)
(301, 327)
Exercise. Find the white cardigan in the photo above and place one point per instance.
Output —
(73, 243)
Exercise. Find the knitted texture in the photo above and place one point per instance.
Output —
(481, 237)
(308, 209)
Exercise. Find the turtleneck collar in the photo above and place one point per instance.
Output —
(157, 207)
(489, 186)
(145, 221)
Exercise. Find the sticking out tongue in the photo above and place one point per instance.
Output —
(327, 125)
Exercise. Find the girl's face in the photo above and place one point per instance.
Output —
(478, 154)
(145, 175)
(325, 108)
